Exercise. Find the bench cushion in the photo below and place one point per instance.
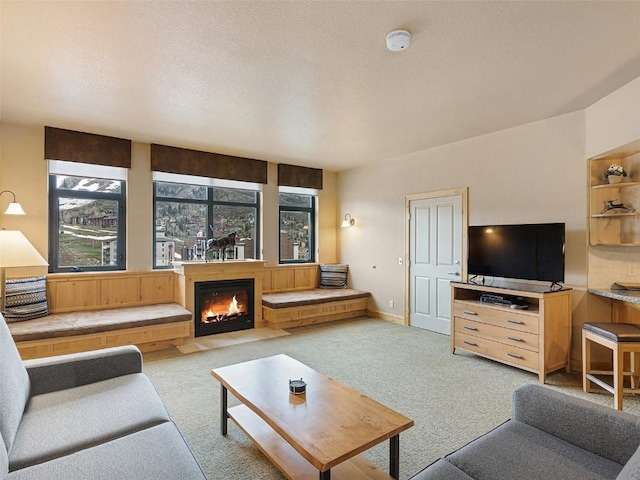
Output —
(310, 297)
(96, 321)
(618, 332)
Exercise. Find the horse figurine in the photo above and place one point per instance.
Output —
(621, 207)
(221, 244)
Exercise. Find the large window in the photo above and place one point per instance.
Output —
(86, 223)
(297, 227)
(187, 215)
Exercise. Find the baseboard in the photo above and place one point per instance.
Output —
(386, 316)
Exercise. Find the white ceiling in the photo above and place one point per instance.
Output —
(309, 82)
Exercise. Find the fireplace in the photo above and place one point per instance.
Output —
(223, 306)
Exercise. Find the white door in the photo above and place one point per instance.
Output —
(435, 251)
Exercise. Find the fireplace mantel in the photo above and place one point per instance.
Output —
(189, 273)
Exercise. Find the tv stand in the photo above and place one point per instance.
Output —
(536, 339)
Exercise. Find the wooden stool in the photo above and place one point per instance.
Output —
(621, 338)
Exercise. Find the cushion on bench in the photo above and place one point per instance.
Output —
(310, 297)
(96, 321)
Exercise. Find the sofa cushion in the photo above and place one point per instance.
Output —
(441, 470)
(66, 421)
(4, 459)
(517, 450)
(26, 298)
(631, 470)
(14, 386)
(155, 453)
(563, 416)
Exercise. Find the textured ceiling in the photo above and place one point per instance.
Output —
(309, 83)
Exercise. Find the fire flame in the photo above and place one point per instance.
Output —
(210, 315)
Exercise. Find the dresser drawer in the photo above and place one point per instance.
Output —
(500, 316)
(498, 351)
(516, 338)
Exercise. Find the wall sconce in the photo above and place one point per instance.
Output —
(348, 221)
(14, 207)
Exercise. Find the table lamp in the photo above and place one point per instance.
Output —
(16, 251)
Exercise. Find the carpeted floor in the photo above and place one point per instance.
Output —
(452, 398)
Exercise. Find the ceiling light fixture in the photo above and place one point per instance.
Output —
(398, 40)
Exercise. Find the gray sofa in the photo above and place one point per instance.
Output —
(552, 436)
(91, 415)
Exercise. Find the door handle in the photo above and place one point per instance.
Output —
(457, 274)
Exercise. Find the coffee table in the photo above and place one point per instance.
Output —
(318, 434)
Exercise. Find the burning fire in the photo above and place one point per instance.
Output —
(210, 316)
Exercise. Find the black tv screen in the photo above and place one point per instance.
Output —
(525, 252)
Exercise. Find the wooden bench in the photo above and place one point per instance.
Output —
(291, 297)
(308, 307)
(91, 310)
(150, 327)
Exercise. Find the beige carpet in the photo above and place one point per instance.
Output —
(452, 398)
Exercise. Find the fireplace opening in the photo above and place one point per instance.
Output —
(223, 306)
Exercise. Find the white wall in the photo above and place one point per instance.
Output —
(532, 173)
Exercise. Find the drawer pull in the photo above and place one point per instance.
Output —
(473, 344)
(469, 327)
(515, 339)
(515, 355)
(517, 322)
(470, 312)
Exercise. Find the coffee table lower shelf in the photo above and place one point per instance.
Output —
(290, 462)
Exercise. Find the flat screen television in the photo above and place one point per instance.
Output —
(532, 251)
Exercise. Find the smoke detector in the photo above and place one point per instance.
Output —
(398, 40)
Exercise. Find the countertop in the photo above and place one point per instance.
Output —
(629, 296)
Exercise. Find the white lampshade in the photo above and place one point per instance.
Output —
(17, 251)
(14, 208)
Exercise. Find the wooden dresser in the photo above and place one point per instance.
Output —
(537, 339)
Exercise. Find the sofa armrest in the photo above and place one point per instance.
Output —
(610, 433)
(67, 371)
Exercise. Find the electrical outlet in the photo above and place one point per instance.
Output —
(390, 303)
(632, 269)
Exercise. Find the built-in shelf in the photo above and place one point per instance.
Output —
(616, 185)
(605, 215)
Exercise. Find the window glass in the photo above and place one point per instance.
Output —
(297, 217)
(196, 214)
(86, 223)
(180, 190)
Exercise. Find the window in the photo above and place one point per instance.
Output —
(297, 227)
(86, 219)
(187, 215)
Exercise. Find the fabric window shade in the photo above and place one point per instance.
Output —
(89, 148)
(203, 164)
(294, 176)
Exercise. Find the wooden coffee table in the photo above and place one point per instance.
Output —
(323, 430)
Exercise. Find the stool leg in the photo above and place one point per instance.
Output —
(586, 362)
(618, 377)
(633, 365)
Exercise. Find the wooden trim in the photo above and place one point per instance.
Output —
(287, 278)
(71, 292)
(295, 176)
(206, 164)
(90, 148)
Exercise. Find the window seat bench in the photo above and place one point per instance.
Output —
(150, 327)
(317, 305)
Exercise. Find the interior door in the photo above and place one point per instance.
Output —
(435, 256)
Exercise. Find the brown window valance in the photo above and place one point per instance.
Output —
(72, 146)
(204, 164)
(294, 176)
